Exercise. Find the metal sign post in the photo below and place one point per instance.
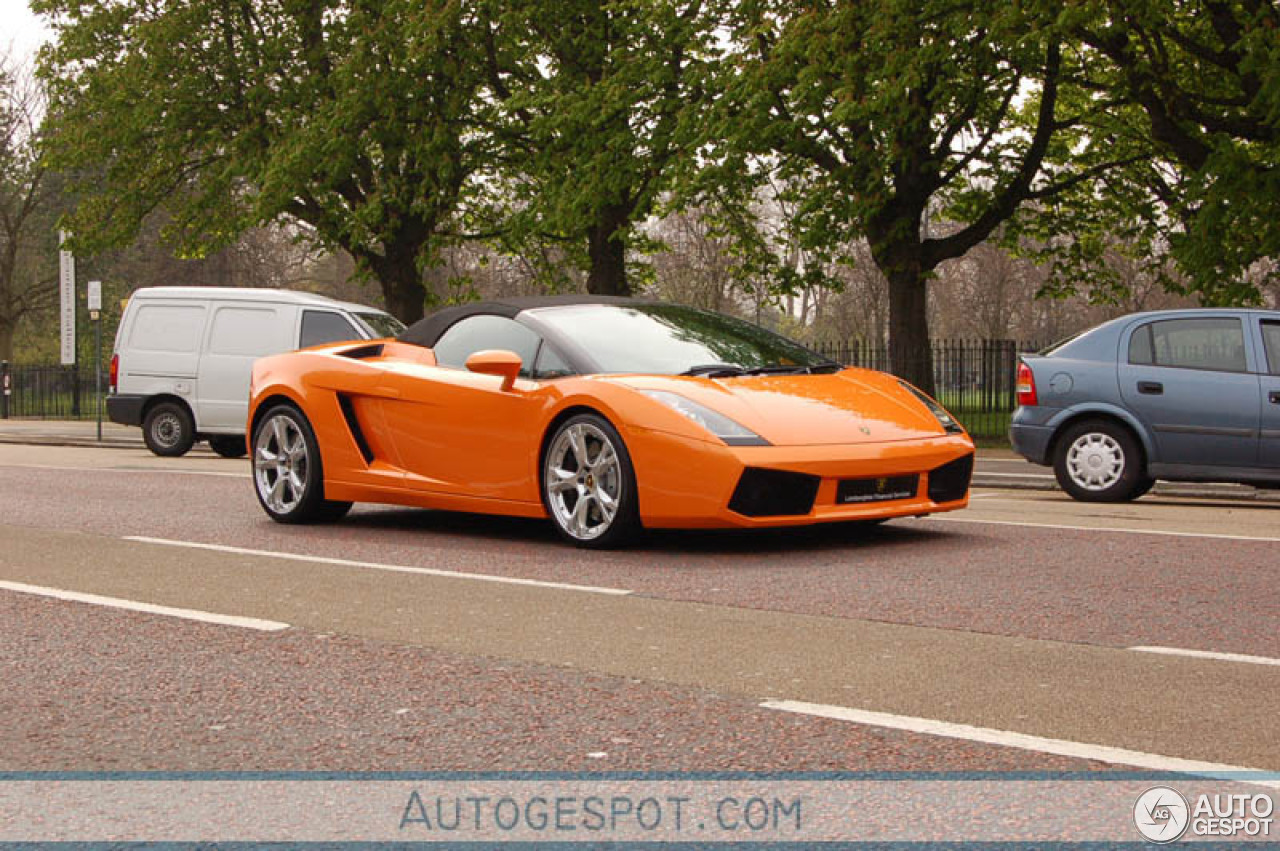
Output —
(95, 315)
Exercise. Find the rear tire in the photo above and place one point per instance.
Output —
(288, 476)
(229, 446)
(168, 429)
(1100, 461)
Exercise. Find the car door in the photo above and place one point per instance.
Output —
(457, 431)
(1190, 381)
(1269, 443)
(238, 335)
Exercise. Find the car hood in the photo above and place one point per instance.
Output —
(849, 407)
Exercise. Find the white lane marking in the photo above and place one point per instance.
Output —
(1022, 741)
(148, 608)
(1118, 529)
(1208, 654)
(1013, 475)
(392, 568)
(165, 471)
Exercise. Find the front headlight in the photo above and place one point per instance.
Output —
(948, 422)
(732, 433)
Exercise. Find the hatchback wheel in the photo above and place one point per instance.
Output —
(589, 485)
(287, 473)
(1099, 461)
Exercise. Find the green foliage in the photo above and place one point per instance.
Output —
(358, 119)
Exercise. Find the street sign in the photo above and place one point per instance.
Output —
(67, 301)
(95, 295)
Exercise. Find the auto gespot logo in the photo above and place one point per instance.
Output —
(1163, 815)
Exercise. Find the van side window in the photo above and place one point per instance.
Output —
(247, 332)
(324, 326)
(478, 333)
(167, 328)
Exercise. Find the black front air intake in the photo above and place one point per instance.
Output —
(769, 493)
(951, 481)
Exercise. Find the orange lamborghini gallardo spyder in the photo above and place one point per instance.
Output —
(606, 415)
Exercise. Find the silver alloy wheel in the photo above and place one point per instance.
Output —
(583, 481)
(280, 467)
(1095, 461)
(166, 430)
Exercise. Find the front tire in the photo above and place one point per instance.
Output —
(287, 473)
(1100, 461)
(168, 429)
(589, 484)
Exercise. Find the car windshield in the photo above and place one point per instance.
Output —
(671, 339)
(382, 324)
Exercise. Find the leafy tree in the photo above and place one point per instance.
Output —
(603, 104)
(1200, 80)
(26, 217)
(358, 119)
(881, 115)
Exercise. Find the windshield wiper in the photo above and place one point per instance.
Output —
(715, 370)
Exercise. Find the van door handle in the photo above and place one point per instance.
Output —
(1274, 397)
(1151, 388)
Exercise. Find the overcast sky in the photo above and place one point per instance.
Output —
(21, 32)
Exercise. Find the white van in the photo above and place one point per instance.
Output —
(183, 356)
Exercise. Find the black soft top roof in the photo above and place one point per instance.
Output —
(426, 331)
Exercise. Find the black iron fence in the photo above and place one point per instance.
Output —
(48, 392)
(974, 379)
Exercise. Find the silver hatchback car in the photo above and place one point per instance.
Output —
(1182, 395)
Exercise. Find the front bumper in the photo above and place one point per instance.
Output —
(687, 483)
(125, 409)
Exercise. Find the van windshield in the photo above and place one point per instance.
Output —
(381, 324)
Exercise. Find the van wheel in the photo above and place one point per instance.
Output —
(229, 446)
(168, 429)
(1099, 461)
(287, 473)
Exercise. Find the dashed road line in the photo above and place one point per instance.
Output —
(1115, 529)
(1208, 654)
(1023, 741)
(147, 608)
(391, 568)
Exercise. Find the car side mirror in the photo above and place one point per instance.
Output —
(496, 362)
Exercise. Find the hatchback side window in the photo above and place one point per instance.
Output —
(478, 333)
(1214, 344)
(323, 326)
(1271, 339)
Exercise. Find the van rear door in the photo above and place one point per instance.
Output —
(238, 335)
(160, 347)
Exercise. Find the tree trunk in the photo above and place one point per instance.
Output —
(608, 252)
(402, 290)
(910, 350)
(6, 340)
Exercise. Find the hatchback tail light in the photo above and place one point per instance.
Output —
(115, 374)
(1027, 386)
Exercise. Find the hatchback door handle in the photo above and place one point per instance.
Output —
(1274, 397)
(1151, 388)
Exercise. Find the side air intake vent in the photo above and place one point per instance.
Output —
(349, 414)
(950, 481)
(372, 350)
(768, 493)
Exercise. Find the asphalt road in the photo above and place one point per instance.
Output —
(427, 640)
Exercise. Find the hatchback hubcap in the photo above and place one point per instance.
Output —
(583, 481)
(1095, 461)
(280, 463)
